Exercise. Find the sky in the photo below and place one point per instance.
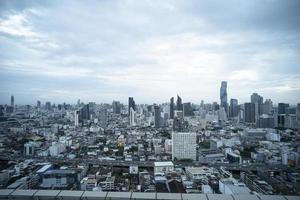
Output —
(105, 50)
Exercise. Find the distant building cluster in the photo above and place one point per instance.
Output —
(172, 147)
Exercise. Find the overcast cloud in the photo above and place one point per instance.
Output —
(108, 50)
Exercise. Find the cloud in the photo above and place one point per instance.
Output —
(17, 25)
(105, 50)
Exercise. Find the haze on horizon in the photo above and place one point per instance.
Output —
(101, 51)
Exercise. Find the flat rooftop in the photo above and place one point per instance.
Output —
(90, 195)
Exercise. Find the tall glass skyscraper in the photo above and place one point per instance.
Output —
(223, 95)
(172, 105)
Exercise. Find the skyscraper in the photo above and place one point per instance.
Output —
(267, 106)
(172, 105)
(184, 145)
(187, 109)
(131, 104)
(76, 117)
(116, 107)
(132, 117)
(85, 112)
(12, 101)
(103, 117)
(249, 111)
(282, 108)
(258, 101)
(298, 116)
(38, 104)
(157, 117)
(233, 111)
(223, 95)
(179, 103)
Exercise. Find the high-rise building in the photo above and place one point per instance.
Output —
(267, 107)
(172, 105)
(265, 121)
(223, 96)
(258, 101)
(298, 116)
(249, 112)
(38, 104)
(184, 145)
(179, 103)
(157, 117)
(48, 105)
(103, 117)
(1, 110)
(187, 109)
(116, 107)
(132, 117)
(215, 106)
(12, 101)
(233, 111)
(131, 104)
(282, 108)
(85, 112)
(76, 117)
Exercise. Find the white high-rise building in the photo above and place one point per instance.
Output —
(76, 117)
(132, 117)
(184, 145)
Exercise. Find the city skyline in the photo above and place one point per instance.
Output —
(105, 51)
(9, 101)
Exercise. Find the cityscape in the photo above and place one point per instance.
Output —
(172, 147)
(156, 100)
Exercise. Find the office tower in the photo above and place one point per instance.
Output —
(298, 116)
(132, 117)
(249, 112)
(103, 117)
(187, 109)
(12, 101)
(157, 117)
(202, 104)
(38, 104)
(78, 102)
(92, 109)
(223, 96)
(179, 103)
(265, 121)
(172, 105)
(178, 122)
(131, 104)
(76, 117)
(116, 107)
(215, 106)
(184, 145)
(48, 105)
(282, 108)
(1, 110)
(258, 101)
(233, 110)
(85, 112)
(267, 107)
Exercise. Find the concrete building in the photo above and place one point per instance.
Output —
(172, 108)
(184, 145)
(233, 110)
(198, 173)
(249, 112)
(59, 179)
(132, 117)
(232, 186)
(163, 167)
